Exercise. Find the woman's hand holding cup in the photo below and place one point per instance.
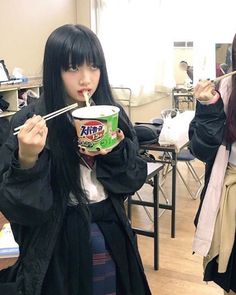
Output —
(85, 151)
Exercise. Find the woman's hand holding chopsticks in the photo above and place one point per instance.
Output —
(205, 92)
(32, 138)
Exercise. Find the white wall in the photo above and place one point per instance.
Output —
(24, 27)
(84, 12)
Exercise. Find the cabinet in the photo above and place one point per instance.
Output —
(10, 93)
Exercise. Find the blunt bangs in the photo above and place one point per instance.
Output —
(79, 48)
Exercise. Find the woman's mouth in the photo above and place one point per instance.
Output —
(83, 91)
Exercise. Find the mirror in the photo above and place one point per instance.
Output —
(183, 63)
(223, 58)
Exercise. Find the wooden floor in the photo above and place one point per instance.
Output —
(180, 272)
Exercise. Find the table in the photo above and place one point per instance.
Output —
(152, 173)
(184, 95)
(173, 151)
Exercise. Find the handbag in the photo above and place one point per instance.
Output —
(148, 133)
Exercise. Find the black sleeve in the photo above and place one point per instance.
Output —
(123, 171)
(206, 131)
(25, 194)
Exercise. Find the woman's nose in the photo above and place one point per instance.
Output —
(84, 78)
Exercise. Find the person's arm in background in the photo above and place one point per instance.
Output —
(206, 131)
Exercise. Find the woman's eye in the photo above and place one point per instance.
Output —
(71, 69)
(93, 67)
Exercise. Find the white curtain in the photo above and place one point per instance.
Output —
(205, 23)
(214, 23)
(138, 52)
(138, 35)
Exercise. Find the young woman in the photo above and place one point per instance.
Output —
(69, 219)
(213, 140)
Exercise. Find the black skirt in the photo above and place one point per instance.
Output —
(226, 280)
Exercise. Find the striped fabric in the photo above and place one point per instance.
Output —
(104, 269)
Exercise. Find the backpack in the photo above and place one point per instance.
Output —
(148, 133)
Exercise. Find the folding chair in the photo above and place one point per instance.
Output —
(186, 157)
(151, 158)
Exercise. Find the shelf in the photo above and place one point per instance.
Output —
(31, 83)
(10, 93)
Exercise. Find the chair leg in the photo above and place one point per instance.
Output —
(167, 168)
(166, 200)
(185, 183)
(193, 172)
(165, 171)
(145, 208)
(163, 194)
(198, 193)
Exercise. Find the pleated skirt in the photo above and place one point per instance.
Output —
(104, 269)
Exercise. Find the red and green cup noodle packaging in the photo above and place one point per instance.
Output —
(96, 126)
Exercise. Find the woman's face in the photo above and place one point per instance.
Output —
(82, 78)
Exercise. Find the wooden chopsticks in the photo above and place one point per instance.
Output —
(224, 76)
(51, 115)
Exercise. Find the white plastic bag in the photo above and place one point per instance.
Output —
(175, 130)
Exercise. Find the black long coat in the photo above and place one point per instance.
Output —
(206, 133)
(35, 213)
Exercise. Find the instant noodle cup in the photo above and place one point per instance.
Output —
(96, 126)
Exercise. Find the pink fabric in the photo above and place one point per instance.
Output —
(207, 218)
(210, 206)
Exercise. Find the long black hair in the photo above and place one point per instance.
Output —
(230, 132)
(71, 45)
